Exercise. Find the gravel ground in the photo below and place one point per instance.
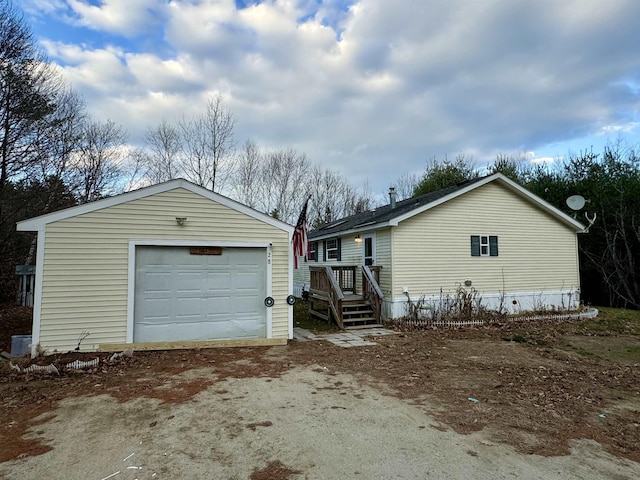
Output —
(533, 400)
(309, 423)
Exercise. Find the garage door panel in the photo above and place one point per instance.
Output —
(246, 280)
(158, 282)
(180, 297)
(189, 281)
(187, 307)
(219, 304)
(158, 307)
(218, 280)
(249, 310)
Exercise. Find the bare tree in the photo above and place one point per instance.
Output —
(159, 160)
(282, 192)
(99, 159)
(248, 174)
(327, 187)
(278, 182)
(208, 145)
(406, 185)
(60, 137)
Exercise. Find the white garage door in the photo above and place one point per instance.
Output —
(184, 293)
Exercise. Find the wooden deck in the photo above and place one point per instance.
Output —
(333, 296)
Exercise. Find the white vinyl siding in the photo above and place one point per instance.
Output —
(85, 278)
(536, 252)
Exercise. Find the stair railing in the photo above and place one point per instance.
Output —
(335, 297)
(371, 291)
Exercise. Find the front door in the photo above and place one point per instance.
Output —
(369, 249)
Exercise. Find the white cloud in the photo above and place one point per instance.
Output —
(408, 80)
(100, 73)
(125, 17)
(616, 129)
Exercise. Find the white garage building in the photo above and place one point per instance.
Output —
(167, 266)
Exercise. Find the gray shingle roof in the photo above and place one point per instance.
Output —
(385, 213)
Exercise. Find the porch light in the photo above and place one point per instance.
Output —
(358, 239)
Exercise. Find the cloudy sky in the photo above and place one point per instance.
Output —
(372, 88)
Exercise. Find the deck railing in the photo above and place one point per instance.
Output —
(346, 277)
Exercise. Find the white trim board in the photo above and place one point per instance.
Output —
(37, 294)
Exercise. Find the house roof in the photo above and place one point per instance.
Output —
(38, 223)
(386, 216)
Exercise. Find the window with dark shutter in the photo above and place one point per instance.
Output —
(475, 245)
(493, 245)
(313, 251)
(484, 245)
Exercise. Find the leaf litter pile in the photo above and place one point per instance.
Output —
(522, 384)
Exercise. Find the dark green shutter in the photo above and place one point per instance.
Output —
(475, 245)
(315, 252)
(493, 246)
(339, 253)
(324, 250)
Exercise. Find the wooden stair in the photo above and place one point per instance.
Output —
(332, 296)
(358, 314)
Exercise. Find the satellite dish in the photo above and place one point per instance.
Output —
(576, 202)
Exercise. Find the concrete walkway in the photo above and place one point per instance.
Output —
(351, 338)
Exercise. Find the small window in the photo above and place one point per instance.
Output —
(313, 251)
(332, 249)
(484, 245)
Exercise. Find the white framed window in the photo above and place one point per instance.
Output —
(484, 245)
(331, 247)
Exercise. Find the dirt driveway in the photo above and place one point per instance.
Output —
(452, 404)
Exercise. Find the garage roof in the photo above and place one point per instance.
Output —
(38, 223)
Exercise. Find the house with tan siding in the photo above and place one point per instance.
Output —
(170, 265)
(487, 235)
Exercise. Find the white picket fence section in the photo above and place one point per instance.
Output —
(453, 323)
(75, 365)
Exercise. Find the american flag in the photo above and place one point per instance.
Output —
(299, 240)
